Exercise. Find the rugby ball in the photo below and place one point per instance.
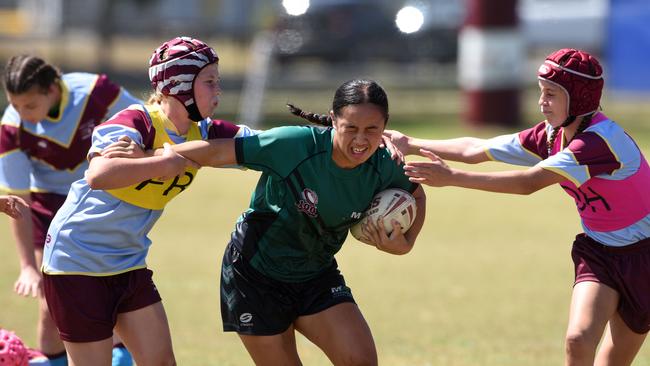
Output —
(392, 204)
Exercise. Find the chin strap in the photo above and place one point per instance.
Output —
(193, 112)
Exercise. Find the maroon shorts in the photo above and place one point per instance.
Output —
(44, 206)
(625, 269)
(85, 308)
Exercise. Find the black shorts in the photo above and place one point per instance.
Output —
(254, 304)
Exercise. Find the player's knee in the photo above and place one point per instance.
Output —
(160, 359)
(360, 356)
(579, 343)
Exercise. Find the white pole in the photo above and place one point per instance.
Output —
(251, 100)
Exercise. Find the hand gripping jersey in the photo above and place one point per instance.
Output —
(606, 174)
(99, 232)
(46, 157)
(304, 203)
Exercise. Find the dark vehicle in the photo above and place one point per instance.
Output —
(351, 31)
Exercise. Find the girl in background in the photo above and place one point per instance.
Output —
(45, 133)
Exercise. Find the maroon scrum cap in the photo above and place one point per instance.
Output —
(174, 66)
(579, 74)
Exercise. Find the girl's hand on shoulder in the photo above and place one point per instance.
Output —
(399, 142)
(435, 173)
(124, 147)
(395, 154)
(395, 243)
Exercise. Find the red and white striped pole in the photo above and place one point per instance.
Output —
(491, 61)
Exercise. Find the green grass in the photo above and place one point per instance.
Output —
(488, 282)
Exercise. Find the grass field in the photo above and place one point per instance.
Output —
(488, 282)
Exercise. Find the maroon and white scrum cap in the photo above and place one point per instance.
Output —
(579, 74)
(174, 66)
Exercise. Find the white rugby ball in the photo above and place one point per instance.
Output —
(392, 204)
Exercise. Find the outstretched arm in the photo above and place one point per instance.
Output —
(437, 173)
(117, 172)
(464, 149)
(214, 152)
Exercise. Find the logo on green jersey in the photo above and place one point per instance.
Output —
(307, 203)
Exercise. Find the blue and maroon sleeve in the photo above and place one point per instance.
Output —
(132, 122)
(15, 167)
(222, 129)
(225, 129)
(525, 148)
(534, 140)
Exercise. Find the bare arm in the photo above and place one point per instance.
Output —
(421, 204)
(214, 152)
(463, 149)
(110, 173)
(29, 279)
(436, 173)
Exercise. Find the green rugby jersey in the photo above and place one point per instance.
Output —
(304, 204)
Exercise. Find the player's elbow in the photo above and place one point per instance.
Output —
(397, 250)
(474, 155)
(528, 187)
(534, 179)
(471, 159)
(94, 180)
(405, 250)
(95, 175)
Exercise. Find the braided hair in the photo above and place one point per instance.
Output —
(586, 120)
(319, 119)
(23, 72)
(356, 91)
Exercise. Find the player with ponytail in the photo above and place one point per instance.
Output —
(279, 273)
(601, 167)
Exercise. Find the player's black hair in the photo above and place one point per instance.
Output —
(356, 91)
(23, 72)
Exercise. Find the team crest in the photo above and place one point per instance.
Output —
(308, 202)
